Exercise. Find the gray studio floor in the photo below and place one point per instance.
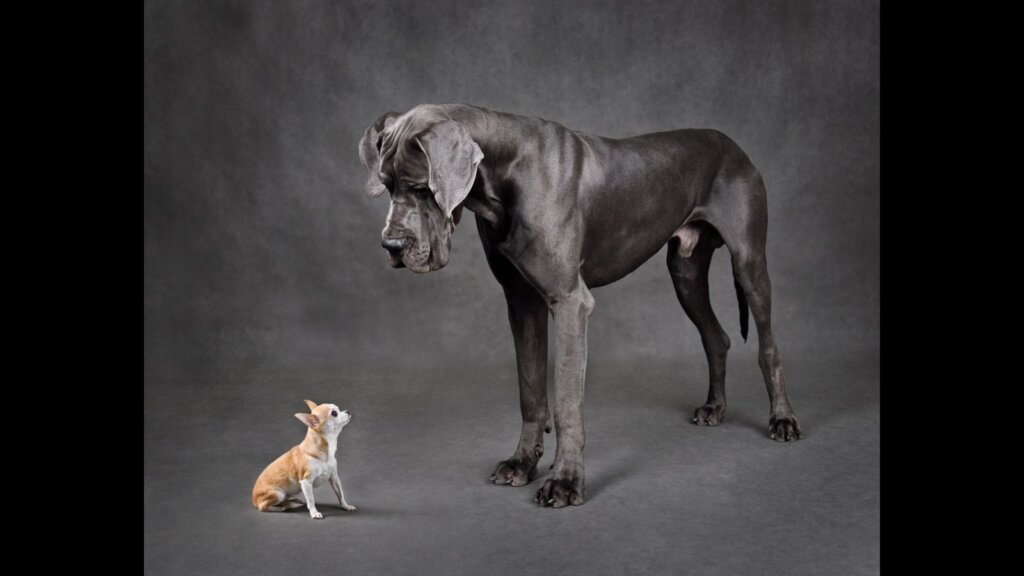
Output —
(664, 496)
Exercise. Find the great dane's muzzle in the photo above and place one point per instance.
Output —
(396, 247)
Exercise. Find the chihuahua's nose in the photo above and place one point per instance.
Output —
(394, 245)
(349, 412)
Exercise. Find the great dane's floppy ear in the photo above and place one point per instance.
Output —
(452, 157)
(369, 152)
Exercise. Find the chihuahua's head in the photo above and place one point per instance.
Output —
(325, 419)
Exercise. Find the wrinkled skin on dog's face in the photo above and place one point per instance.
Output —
(427, 164)
(415, 221)
(418, 233)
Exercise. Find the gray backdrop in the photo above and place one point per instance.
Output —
(265, 284)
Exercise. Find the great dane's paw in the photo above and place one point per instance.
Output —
(561, 491)
(514, 472)
(709, 415)
(316, 515)
(348, 508)
(784, 428)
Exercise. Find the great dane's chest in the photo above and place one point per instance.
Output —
(556, 249)
(531, 247)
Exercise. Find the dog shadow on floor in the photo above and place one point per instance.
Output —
(600, 479)
(335, 511)
(744, 419)
(816, 410)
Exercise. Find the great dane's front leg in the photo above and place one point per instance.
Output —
(567, 485)
(528, 316)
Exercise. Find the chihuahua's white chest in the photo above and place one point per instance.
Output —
(320, 470)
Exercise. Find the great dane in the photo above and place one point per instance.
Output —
(560, 212)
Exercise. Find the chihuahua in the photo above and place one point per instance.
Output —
(305, 466)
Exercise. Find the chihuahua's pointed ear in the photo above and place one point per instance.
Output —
(311, 404)
(369, 152)
(309, 420)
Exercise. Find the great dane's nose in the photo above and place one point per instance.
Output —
(394, 245)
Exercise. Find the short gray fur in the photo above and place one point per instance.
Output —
(560, 212)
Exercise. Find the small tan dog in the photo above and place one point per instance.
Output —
(305, 466)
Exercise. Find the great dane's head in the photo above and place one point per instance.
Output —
(427, 163)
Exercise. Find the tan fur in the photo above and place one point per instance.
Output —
(282, 475)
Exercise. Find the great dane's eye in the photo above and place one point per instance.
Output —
(420, 187)
(334, 413)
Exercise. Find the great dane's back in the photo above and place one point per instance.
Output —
(560, 212)
(638, 192)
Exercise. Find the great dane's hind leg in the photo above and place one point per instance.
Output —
(744, 229)
(689, 258)
(528, 317)
(751, 270)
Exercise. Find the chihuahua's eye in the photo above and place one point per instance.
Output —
(334, 413)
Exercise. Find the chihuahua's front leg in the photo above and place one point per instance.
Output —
(336, 485)
(307, 491)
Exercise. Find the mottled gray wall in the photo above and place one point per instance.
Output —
(265, 283)
(260, 245)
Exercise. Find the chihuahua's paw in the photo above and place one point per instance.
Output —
(348, 508)
(316, 515)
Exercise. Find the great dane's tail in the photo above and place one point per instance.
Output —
(744, 310)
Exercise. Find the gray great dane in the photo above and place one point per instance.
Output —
(560, 212)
